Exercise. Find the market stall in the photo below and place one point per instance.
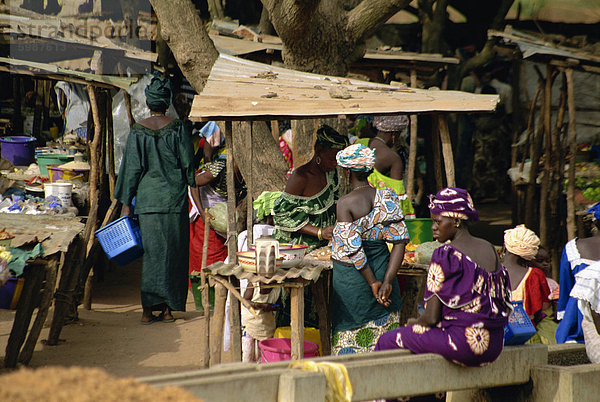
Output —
(271, 92)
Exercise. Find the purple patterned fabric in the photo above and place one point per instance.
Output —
(454, 203)
(475, 309)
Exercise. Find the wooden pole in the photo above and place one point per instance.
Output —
(412, 149)
(127, 99)
(530, 127)
(110, 147)
(216, 336)
(544, 191)
(437, 155)
(571, 219)
(274, 129)
(446, 150)
(250, 188)
(94, 196)
(516, 108)
(205, 294)
(535, 150)
(234, 305)
(297, 322)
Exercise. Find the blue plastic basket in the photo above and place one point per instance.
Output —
(519, 328)
(121, 240)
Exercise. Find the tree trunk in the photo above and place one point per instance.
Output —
(184, 32)
(433, 22)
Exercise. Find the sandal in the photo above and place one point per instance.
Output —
(162, 318)
(152, 320)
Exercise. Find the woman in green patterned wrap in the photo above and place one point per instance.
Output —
(305, 212)
(157, 167)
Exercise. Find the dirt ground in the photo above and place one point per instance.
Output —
(111, 337)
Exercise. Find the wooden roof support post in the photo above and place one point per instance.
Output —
(446, 150)
(250, 188)
(234, 304)
(412, 151)
(437, 154)
(110, 146)
(205, 295)
(571, 225)
(548, 160)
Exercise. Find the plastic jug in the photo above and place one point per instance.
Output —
(267, 253)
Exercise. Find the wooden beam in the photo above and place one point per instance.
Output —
(447, 150)
(571, 226)
(437, 154)
(216, 336)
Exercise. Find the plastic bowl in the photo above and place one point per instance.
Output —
(292, 254)
(247, 260)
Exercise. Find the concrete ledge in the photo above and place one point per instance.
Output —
(564, 384)
(373, 376)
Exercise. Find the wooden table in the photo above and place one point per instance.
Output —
(226, 276)
(60, 238)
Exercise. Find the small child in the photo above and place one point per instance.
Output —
(542, 261)
(261, 326)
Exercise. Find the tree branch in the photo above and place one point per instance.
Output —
(290, 17)
(370, 14)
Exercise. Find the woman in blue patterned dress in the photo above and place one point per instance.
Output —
(468, 291)
(366, 299)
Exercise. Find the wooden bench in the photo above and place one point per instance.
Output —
(378, 375)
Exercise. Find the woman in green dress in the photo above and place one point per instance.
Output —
(305, 211)
(157, 167)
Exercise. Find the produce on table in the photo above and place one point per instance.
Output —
(425, 250)
(587, 180)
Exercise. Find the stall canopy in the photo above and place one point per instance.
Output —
(239, 89)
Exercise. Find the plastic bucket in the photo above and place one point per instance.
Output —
(52, 159)
(62, 191)
(196, 282)
(19, 150)
(419, 230)
(279, 349)
(310, 334)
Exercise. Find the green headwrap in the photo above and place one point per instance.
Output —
(158, 93)
(329, 138)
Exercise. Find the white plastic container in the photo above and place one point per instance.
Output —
(60, 190)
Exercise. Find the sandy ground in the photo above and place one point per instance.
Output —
(111, 337)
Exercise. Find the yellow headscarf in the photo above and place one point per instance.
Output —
(522, 242)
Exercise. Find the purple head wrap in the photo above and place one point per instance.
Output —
(454, 203)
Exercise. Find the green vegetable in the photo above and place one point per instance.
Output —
(425, 250)
(219, 214)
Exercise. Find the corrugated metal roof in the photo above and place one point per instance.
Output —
(239, 89)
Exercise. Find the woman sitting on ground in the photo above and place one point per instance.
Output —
(528, 283)
(577, 255)
(366, 297)
(468, 291)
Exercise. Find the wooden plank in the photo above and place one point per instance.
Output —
(250, 184)
(297, 322)
(571, 226)
(447, 150)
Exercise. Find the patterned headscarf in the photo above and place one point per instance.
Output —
(454, 203)
(522, 242)
(390, 123)
(595, 211)
(357, 158)
(158, 93)
(329, 138)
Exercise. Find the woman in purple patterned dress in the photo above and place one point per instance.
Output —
(468, 291)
